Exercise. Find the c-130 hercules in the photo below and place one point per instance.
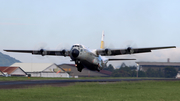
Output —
(94, 60)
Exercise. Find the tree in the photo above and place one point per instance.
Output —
(150, 73)
(115, 73)
(109, 68)
(124, 71)
(170, 72)
(160, 73)
(141, 74)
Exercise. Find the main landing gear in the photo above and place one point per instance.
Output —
(79, 66)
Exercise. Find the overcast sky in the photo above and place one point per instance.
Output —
(32, 24)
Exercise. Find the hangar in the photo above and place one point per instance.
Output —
(12, 71)
(72, 70)
(144, 66)
(42, 69)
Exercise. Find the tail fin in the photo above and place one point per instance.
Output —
(102, 41)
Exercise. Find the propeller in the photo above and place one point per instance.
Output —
(42, 47)
(63, 48)
(109, 46)
(129, 45)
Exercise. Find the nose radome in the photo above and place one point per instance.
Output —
(75, 53)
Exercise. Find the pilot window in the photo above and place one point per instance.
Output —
(76, 45)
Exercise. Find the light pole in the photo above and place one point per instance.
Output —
(137, 70)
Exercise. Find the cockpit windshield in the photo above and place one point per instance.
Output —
(75, 46)
(79, 46)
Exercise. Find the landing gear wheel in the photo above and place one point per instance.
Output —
(79, 66)
(79, 69)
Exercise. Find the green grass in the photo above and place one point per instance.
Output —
(119, 91)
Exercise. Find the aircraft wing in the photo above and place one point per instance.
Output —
(129, 50)
(43, 52)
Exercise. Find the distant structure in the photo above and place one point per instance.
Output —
(42, 69)
(178, 75)
(144, 66)
(51, 70)
(12, 71)
(72, 70)
(168, 60)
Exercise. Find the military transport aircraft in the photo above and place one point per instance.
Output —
(93, 60)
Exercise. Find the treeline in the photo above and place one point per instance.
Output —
(125, 71)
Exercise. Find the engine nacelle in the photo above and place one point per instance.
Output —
(130, 50)
(65, 52)
(42, 52)
(108, 52)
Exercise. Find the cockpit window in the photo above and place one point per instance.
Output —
(75, 46)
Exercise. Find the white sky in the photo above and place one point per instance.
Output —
(29, 24)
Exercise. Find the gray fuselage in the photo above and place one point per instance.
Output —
(85, 57)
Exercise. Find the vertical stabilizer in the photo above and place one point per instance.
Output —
(102, 41)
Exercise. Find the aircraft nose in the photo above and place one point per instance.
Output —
(75, 53)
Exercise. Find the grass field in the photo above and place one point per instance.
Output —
(119, 91)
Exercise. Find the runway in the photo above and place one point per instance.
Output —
(21, 84)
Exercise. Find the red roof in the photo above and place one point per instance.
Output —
(8, 70)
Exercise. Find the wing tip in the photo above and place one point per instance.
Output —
(5, 50)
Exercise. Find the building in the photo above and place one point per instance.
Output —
(1, 73)
(72, 70)
(12, 71)
(178, 75)
(144, 66)
(42, 69)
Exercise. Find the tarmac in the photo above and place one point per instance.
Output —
(30, 83)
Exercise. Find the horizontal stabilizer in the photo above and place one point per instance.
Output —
(120, 59)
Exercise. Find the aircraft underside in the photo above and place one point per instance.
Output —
(85, 64)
